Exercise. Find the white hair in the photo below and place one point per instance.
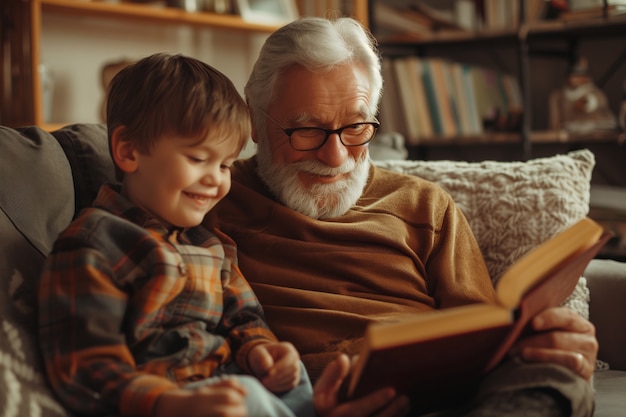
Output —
(319, 45)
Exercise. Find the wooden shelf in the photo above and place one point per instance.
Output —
(513, 40)
(598, 26)
(561, 136)
(545, 28)
(487, 138)
(27, 38)
(536, 137)
(151, 13)
(24, 41)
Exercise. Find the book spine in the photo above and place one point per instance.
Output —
(445, 105)
(475, 119)
(431, 98)
(421, 103)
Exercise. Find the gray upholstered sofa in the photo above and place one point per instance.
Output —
(45, 178)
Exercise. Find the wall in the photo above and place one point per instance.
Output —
(76, 48)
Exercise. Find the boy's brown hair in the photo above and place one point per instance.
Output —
(166, 94)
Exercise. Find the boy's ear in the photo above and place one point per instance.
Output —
(123, 151)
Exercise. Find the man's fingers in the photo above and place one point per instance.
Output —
(562, 318)
(333, 375)
(577, 362)
(400, 406)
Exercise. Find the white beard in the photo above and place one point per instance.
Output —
(320, 201)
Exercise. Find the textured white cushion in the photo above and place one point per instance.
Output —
(512, 206)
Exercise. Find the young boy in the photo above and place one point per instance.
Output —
(141, 313)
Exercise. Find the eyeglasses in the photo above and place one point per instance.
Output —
(312, 138)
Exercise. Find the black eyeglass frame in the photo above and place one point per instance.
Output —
(289, 131)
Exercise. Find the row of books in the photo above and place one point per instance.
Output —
(418, 20)
(426, 98)
(505, 14)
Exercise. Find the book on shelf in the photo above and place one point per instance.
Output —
(501, 14)
(442, 354)
(498, 98)
(422, 110)
(411, 88)
(440, 96)
(393, 21)
(470, 94)
(590, 13)
(496, 102)
(534, 10)
(391, 110)
(406, 96)
(514, 103)
(463, 104)
(440, 19)
(453, 97)
(432, 99)
(428, 98)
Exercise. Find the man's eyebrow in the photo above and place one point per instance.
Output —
(303, 118)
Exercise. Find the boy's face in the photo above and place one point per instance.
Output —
(181, 179)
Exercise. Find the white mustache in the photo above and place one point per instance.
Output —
(317, 168)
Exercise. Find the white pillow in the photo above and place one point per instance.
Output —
(512, 206)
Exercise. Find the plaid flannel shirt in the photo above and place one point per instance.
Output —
(129, 309)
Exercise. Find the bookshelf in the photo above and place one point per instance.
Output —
(22, 101)
(26, 85)
(559, 39)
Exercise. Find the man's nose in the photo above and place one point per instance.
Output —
(333, 153)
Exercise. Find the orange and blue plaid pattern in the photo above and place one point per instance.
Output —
(129, 308)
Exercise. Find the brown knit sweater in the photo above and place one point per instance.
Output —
(404, 247)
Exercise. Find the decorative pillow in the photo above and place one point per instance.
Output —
(514, 206)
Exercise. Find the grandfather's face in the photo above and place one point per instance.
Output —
(325, 182)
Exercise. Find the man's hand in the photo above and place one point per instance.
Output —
(562, 337)
(277, 365)
(382, 403)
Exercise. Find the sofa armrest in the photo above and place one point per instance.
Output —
(606, 280)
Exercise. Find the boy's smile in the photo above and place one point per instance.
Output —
(181, 179)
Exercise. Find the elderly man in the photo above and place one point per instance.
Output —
(331, 243)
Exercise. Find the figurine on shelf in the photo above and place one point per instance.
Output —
(580, 106)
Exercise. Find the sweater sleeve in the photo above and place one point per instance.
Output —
(456, 270)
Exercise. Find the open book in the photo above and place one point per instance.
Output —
(436, 356)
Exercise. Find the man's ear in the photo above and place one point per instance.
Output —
(253, 133)
(123, 151)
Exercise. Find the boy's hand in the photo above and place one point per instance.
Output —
(277, 365)
(224, 398)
